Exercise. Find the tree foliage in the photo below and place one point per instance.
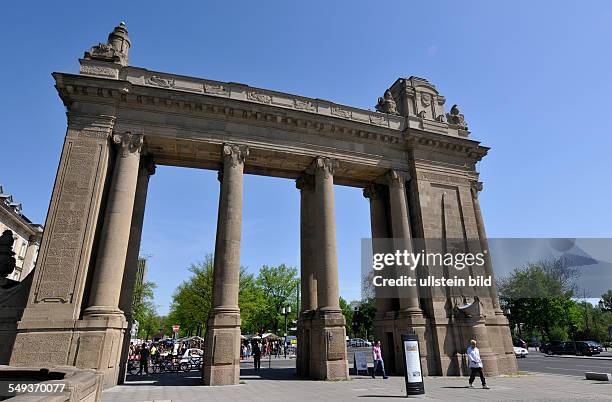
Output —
(261, 298)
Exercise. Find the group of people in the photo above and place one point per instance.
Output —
(267, 348)
(149, 352)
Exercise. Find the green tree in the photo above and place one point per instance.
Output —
(363, 319)
(538, 297)
(192, 300)
(279, 285)
(347, 310)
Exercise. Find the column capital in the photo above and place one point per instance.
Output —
(304, 181)
(396, 178)
(148, 163)
(475, 187)
(323, 165)
(234, 154)
(129, 143)
(373, 191)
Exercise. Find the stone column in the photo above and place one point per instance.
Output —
(384, 318)
(328, 297)
(308, 266)
(400, 222)
(308, 253)
(147, 168)
(222, 355)
(380, 230)
(484, 244)
(114, 238)
(328, 360)
(497, 327)
(410, 317)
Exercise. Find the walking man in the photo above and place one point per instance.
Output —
(378, 360)
(475, 364)
(256, 355)
(144, 359)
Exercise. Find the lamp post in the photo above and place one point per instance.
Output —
(286, 311)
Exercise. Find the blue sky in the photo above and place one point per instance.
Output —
(532, 78)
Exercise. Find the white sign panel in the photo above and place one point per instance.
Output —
(413, 361)
(360, 362)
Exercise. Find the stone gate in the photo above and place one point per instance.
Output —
(414, 161)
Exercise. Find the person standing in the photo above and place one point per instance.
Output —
(378, 360)
(256, 356)
(144, 359)
(475, 364)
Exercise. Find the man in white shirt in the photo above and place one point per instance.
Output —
(475, 364)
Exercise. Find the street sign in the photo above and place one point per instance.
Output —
(360, 362)
(412, 362)
(175, 328)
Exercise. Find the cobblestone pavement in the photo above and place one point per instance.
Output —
(279, 384)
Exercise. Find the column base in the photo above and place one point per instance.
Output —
(222, 354)
(328, 358)
(304, 343)
(86, 344)
(409, 321)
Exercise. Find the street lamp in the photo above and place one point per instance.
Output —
(286, 311)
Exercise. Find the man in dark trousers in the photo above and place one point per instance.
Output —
(475, 364)
(144, 359)
(256, 355)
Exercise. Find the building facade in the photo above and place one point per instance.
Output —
(27, 235)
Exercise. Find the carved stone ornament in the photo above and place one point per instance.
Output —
(455, 117)
(263, 98)
(305, 181)
(397, 178)
(325, 166)
(130, 143)
(148, 163)
(387, 104)
(373, 191)
(425, 99)
(7, 256)
(336, 111)
(475, 188)
(234, 154)
(160, 82)
(115, 50)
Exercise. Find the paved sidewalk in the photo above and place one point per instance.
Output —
(281, 385)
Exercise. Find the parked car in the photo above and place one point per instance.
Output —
(553, 347)
(191, 359)
(520, 352)
(517, 342)
(597, 346)
(358, 343)
(579, 348)
(587, 348)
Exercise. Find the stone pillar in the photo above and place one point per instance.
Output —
(222, 355)
(328, 347)
(400, 222)
(484, 245)
(385, 316)
(497, 328)
(114, 238)
(147, 168)
(308, 266)
(103, 326)
(308, 253)
(410, 317)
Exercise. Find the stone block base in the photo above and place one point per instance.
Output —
(304, 344)
(222, 354)
(328, 358)
(91, 343)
